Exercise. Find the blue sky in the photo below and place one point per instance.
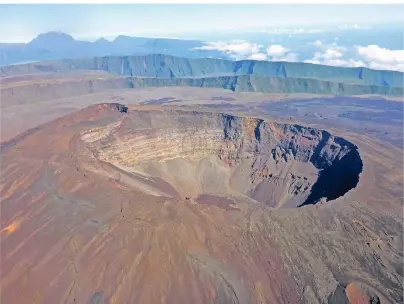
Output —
(20, 23)
(338, 35)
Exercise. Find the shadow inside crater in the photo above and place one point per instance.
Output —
(336, 180)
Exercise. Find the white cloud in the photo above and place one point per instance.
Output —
(329, 53)
(338, 62)
(383, 66)
(318, 43)
(330, 50)
(371, 56)
(382, 58)
(333, 55)
(258, 56)
(236, 49)
(277, 52)
(240, 49)
(290, 57)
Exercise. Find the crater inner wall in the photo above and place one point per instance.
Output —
(201, 153)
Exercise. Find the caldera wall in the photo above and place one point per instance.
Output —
(200, 153)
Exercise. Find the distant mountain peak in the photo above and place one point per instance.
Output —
(122, 37)
(102, 40)
(54, 41)
(60, 36)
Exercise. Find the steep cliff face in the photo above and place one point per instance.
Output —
(218, 154)
(271, 84)
(165, 66)
(38, 90)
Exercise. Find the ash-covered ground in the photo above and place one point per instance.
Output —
(194, 195)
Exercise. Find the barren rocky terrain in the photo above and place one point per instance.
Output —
(179, 195)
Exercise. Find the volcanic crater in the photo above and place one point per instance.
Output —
(217, 158)
(146, 204)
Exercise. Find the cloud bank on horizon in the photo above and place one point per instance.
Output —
(240, 49)
(345, 46)
(372, 56)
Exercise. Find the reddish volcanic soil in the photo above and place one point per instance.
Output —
(82, 223)
(72, 235)
(359, 294)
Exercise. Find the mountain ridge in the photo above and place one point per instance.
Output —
(58, 45)
(167, 66)
(42, 91)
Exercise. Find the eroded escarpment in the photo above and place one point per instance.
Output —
(200, 153)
